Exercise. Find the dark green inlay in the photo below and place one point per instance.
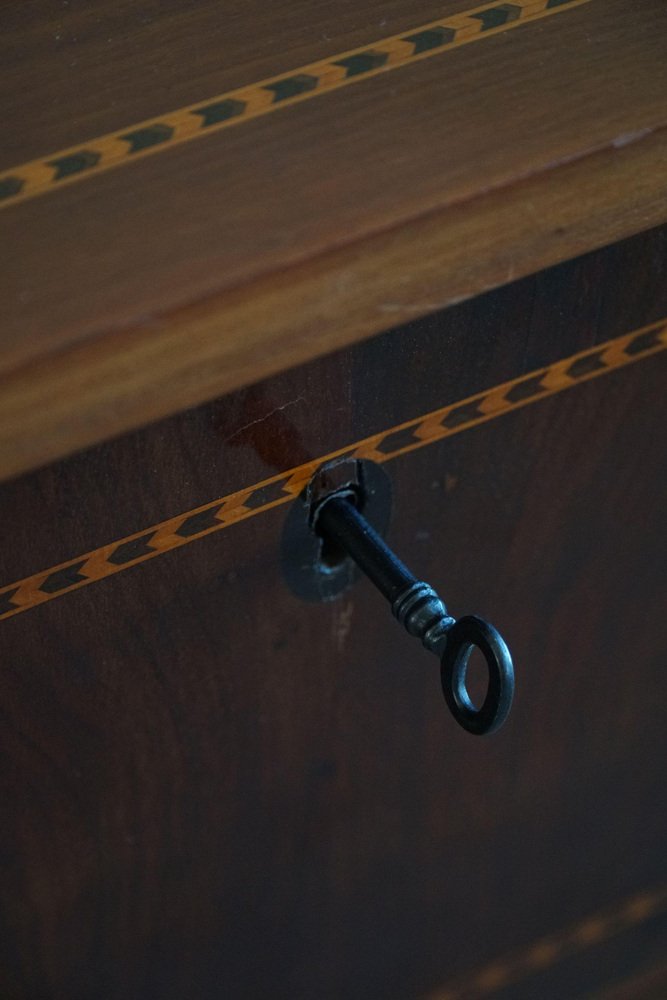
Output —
(65, 166)
(220, 111)
(6, 603)
(397, 440)
(557, 3)
(644, 342)
(131, 550)
(291, 86)
(432, 38)
(586, 365)
(462, 414)
(524, 390)
(10, 186)
(144, 138)
(266, 494)
(494, 17)
(63, 578)
(199, 522)
(363, 62)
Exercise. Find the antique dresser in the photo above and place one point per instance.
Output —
(264, 264)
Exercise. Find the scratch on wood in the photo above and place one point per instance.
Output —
(342, 624)
(260, 420)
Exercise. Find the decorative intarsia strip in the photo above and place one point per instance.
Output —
(557, 947)
(154, 135)
(285, 486)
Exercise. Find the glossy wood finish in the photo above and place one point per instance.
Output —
(212, 788)
(163, 283)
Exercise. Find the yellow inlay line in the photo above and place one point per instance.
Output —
(279, 489)
(555, 948)
(155, 135)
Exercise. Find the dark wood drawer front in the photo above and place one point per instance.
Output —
(213, 788)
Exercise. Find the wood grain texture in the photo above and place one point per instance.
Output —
(158, 134)
(90, 392)
(209, 786)
(388, 443)
(152, 288)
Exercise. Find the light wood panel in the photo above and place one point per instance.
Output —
(81, 395)
(153, 287)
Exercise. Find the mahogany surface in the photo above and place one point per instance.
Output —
(143, 290)
(211, 788)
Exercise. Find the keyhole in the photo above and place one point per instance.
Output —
(332, 555)
(317, 568)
